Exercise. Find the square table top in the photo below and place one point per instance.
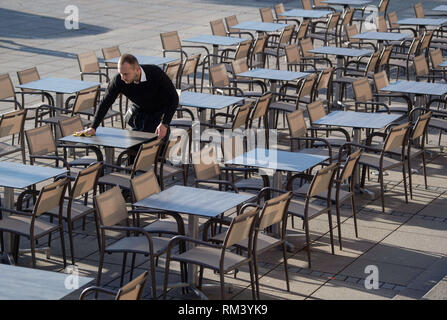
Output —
(278, 160)
(348, 2)
(19, 283)
(146, 60)
(301, 13)
(347, 52)
(18, 175)
(422, 22)
(59, 85)
(354, 119)
(194, 201)
(443, 64)
(273, 74)
(387, 36)
(260, 26)
(207, 101)
(442, 7)
(113, 138)
(416, 87)
(216, 40)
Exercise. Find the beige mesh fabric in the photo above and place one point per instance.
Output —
(40, 140)
(392, 19)
(111, 207)
(396, 137)
(419, 10)
(308, 85)
(239, 65)
(85, 100)
(28, 75)
(50, 196)
(219, 76)
(318, 3)
(348, 169)
(306, 45)
(321, 181)
(266, 15)
(86, 179)
(362, 90)
(347, 18)
(88, 62)
(381, 80)
(218, 28)
(286, 34)
(205, 164)
(6, 87)
(297, 124)
(172, 70)
(420, 65)
(70, 125)
(12, 123)
(240, 228)
(111, 52)
(134, 289)
(302, 30)
(279, 8)
(231, 21)
(372, 62)
(383, 5)
(385, 56)
(414, 45)
(144, 185)
(352, 31)
(333, 21)
(242, 116)
(315, 110)
(436, 57)
(190, 65)
(421, 125)
(233, 147)
(274, 210)
(381, 24)
(147, 156)
(325, 77)
(426, 39)
(307, 5)
(170, 40)
(242, 50)
(261, 107)
(292, 53)
(260, 43)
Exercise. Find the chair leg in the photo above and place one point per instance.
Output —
(33, 251)
(70, 235)
(355, 216)
(154, 283)
(255, 265)
(306, 226)
(337, 208)
(424, 168)
(200, 277)
(410, 182)
(382, 197)
(132, 266)
(252, 280)
(405, 181)
(64, 255)
(123, 268)
(165, 285)
(286, 269)
(222, 284)
(331, 233)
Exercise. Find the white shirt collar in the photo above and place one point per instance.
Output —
(143, 76)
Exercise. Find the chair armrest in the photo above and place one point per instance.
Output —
(57, 158)
(175, 215)
(45, 94)
(89, 290)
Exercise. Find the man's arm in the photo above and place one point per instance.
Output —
(109, 98)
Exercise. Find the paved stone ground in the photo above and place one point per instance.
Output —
(407, 242)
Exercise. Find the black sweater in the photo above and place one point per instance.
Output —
(154, 96)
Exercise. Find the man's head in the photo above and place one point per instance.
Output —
(129, 68)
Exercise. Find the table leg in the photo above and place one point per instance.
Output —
(338, 76)
(215, 53)
(271, 115)
(8, 203)
(193, 227)
(109, 158)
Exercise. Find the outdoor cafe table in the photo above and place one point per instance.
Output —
(111, 138)
(358, 121)
(306, 14)
(260, 26)
(442, 7)
(273, 75)
(19, 283)
(216, 41)
(443, 64)
(422, 22)
(341, 53)
(195, 203)
(381, 36)
(347, 3)
(146, 60)
(20, 176)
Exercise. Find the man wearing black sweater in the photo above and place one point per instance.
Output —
(153, 94)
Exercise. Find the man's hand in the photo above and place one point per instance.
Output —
(161, 131)
(86, 132)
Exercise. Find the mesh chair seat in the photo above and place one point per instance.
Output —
(117, 179)
(77, 210)
(343, 195)
(438, 123)
(296, 207)
(6, 149)
(210, 258)
(83, 161)
(170, 170)
(139, 245)
(21, 225)
(373, 160)
(264, 241)
(55, 120)
(169, 225)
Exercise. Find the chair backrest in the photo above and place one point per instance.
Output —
(231, 21)
(261, 107)
(205, 164)
(302, 30)
(319, 3)
(274, 211)
(134, 289)
(111, 207)
(218, 28)
(436, 57)
(190, 65)
(85, 100)
(315, 110)
(392, 19)
(322, 181)
(306, 45)
(351, 30)
(292, 54)
(421, 125)
(172, 71)
(219, 76)
(239, 66)
(421, 65)
(50, 197)
(243, 50)
(12, 123)
(383, 6)
(348, 169)
(372, 64)
(426, 39)
(40, 141)
(286, 35)
(233, 147)
(381, 80)
(297, 124)
(307, 5)
(70, 125)
(110, 53)
(28, 75)
(347, 18)
(419, 10)
(170, 40)
(307, 86)
(147, 156)
(266, 14)
(242, 116)
(241, 228)
(260, 43)
(396, 137)
(86, 180)
(414, 46)
(385, 56)
(381, 24)
(362, 90)
(333, 20)
(88, 62)
(279, 8)
(6, 87)
(325, 79)
(144, 185)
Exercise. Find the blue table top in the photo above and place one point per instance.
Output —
(18, 175)
(391, 36)
(207, 101)
(260, 26)
(59, 85)
(349, 52)
(415, 87)
(19, 283)
(216, 40)
(358, 119)
(194, 201)
(273, 74)
(422, 21)
(348, 2)
(442, 7)
(113, 138)
(278, 160)
(301, 13)
(146, 60)
(443, 64)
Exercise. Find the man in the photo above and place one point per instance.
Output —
(153, 94)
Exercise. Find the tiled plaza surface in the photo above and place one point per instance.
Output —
(407, 243)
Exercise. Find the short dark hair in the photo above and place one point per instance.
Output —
(130, 59)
